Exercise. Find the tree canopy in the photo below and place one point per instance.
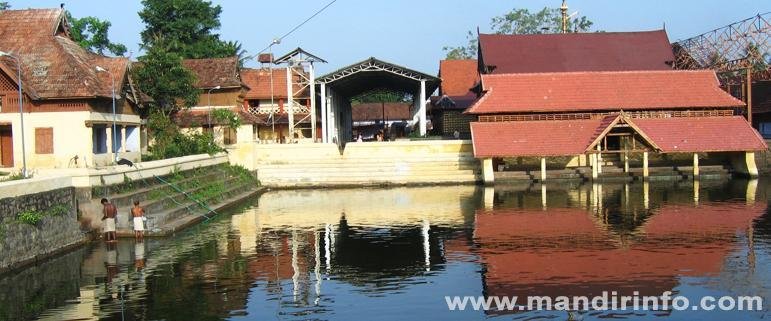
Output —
(521, 21)
(161, 75)
(91, 33)
(4, 5)
(186, 27)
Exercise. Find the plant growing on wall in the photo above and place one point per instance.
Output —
(33, 217)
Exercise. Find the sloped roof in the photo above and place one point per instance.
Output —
(213, 72)
(596, 91)
(458, 76)
(569, 52)
(533, 138)
(574, 137)
(702, 134)
(54, 66)
(258, 81)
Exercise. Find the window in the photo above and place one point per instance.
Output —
(44, 140)
(229, 135)
(117, 137)
(99, 139)
(132, 139)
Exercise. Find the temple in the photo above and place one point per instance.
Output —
(594, 105)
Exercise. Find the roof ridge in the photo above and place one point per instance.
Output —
(572, 33)
(522, 74)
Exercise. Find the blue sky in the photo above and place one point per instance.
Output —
(407, 32)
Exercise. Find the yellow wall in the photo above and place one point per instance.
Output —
(71, 138)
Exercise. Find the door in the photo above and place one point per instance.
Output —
(6, 146)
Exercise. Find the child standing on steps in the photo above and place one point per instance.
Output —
(139, 225)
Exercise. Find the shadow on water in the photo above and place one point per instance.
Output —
(382, 254)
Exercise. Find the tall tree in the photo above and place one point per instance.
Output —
(91, 33)
(4, 5)
(186, 27)
(161, 75)
(521, 21)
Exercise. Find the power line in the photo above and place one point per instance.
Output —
(278, 40)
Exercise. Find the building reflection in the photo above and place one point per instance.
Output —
(552, 239)
(610, 240)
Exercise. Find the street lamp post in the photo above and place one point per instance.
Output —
(21, 113)
(208, 116)
(114, 125)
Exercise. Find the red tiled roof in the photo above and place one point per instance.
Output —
(597, 51)
(588, 91)
(701, 134)
(458, 76)
(374, 111)
(54, 66)
(533, 138)
(453, 102)
(213, 72)
(258, 81)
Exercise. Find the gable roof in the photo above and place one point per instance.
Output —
(574, 137)
(597, 91)
(213, 72)
(458, 76)
(258, 81)
(569, 52)
(54, 66)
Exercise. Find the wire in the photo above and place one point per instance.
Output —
(295, 28)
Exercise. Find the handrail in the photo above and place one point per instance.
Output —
(201, 204)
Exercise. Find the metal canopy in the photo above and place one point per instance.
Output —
(374, 73)
(299, 52)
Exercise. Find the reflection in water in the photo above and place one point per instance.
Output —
(395, 253)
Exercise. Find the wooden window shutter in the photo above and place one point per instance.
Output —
(44, 140)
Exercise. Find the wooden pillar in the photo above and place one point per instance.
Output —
(645, 165)
(593, 161)
(487, 171)
(695, 165)
(744, 163)
(626, 162)
(543, 169)
(599, 159)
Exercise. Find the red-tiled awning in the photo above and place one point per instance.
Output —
(701, 134)
(598, 91)
(533, 138)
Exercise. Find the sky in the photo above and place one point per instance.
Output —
(410, 33)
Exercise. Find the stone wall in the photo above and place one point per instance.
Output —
(24, 243)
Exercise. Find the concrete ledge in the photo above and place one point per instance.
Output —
(190, 220)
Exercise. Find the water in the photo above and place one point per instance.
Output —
(394, 254)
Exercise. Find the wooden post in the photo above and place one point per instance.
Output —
(626, 162)
(645, 165)
(543, 169)
(695, 165)
(593, 161)
(599, 159)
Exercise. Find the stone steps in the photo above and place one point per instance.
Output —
(126, 199)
